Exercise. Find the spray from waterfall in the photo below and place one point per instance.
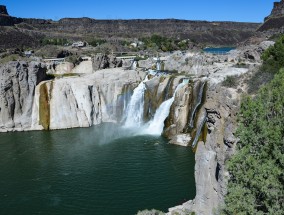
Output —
(156, 125)
(135, 109)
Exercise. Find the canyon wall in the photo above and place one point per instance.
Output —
(214, 146)
(202, 115)
(90, 99)
(277, 11)
(274, 23)
(214, 33)
(17, 87)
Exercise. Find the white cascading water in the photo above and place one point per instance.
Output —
(156, 125)
(135, 108)
(134, 65)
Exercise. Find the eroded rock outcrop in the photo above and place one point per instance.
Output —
(277, 11)
(274, 23)
(17, 87)
(211, 176)
(103, 61)
(3, 11)
(221, 33)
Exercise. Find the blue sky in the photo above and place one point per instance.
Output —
(210, 10)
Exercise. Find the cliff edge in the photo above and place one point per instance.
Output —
(274, 23)
(3, 11)
(211, 33)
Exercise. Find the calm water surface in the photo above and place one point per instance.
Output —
(88, 171)
(221, 50)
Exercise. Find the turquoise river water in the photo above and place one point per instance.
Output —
(96, 170)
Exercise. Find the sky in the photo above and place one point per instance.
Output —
(209, 10)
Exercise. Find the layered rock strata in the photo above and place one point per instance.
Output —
(277, 11)
(274, 23)
(221, 33)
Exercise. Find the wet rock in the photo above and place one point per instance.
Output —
(86, 100)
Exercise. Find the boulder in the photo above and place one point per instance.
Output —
(85, 67)
(103, 61)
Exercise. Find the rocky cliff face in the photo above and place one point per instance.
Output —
(3, 11)
(218, 33)
(80, 101)
(278, 10)
(274, 23)
(18, 81)
(103, 61)
(214, 146)
(201, 31)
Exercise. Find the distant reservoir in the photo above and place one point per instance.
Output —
(219, 50)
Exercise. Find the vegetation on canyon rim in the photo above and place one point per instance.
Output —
(257, 170)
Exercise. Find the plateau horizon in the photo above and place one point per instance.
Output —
(240, 11)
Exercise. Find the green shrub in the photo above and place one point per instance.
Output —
(54, 41)
(257, 80)
(96, 42)
(273, 57)
(163, 43)
(230, 81)
(257, 170)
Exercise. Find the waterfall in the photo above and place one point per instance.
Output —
(158, 66)
(134, 65)
(185, 80)
(198, 103)
(199, 130)
(156, 125)
(135, 109)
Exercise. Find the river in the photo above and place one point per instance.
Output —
(100, 170)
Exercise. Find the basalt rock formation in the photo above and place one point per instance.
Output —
(103, 61)
(218, 33)
(3, 11)
(277, 11)
(274, 23)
